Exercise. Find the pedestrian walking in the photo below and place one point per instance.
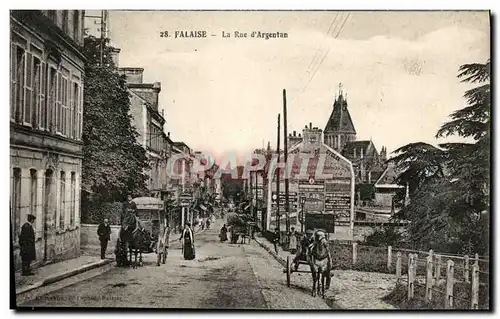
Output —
(104, 233)
(27, 246)
(276, 239)
(188, 243)
(292, 241)
(208, 223)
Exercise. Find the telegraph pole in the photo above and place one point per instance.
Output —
(285, 140)
(278, 180)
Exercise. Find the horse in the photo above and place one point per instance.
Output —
(134, 239)
(319, 260)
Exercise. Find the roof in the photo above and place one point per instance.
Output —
(364, 145)
(340, 120)
(388, 176)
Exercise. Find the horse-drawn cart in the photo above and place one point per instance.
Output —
(151, 215)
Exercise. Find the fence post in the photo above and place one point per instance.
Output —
(448, 300)
(476, 259)
(466, 268)
(354, 252)
(389, 257)
(428, 279)
(398, 266)
(415, 267)
(411, 277)
(475, 287)
(438, 269)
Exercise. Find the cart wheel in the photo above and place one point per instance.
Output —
(158, 258)
(164, 257)
(288, 270)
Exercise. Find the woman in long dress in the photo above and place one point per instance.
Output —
(188, 243)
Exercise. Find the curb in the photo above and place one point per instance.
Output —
(63, 276)
(271, 252)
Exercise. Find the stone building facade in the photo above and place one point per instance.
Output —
(46, 115)
(340, 134)
(149, 121)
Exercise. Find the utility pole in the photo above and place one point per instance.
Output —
(278, 180)
(285, 140)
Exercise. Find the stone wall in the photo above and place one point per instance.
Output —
(90, 241)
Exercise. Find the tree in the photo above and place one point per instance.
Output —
(449, 184)
(113, 163)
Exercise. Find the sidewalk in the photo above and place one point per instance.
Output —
(350, 289)
(55, 272)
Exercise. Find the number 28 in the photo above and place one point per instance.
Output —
(164, 34)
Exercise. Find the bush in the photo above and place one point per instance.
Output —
(95, 212)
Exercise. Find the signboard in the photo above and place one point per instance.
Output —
(321, 221)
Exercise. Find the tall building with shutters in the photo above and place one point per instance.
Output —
(46, 117)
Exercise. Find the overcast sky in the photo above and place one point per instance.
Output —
(223, 95)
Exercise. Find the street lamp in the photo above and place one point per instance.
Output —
(302, 203)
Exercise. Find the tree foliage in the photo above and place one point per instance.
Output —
(113, 163)
(449, 185)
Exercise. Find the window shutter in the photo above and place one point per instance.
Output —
(28, 91)
(13, 77)
(42, 113)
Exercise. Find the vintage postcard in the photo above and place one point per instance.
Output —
(301, 160)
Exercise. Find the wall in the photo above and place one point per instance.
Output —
(139, 121)
(90, 241)
(384, 199)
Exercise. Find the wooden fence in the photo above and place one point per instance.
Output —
(446, 280)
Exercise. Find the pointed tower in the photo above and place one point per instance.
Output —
(339, 129)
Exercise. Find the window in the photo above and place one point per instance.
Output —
(79, 112)
(58, 90)
(36, 92)
(41, 105)
(28, 90)
(18, 56)
(16, 203)
(33, 190)
(51, 106)
(73, 200)
(62, 200)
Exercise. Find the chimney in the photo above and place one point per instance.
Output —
(168, 134)
(294, 133)
(299, 135)
(310, 125)
(132, 75)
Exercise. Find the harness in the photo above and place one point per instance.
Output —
(313, 250)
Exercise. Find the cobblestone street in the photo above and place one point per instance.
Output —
(242, 276)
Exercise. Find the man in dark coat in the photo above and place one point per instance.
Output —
(104, 233)
(276, 239)
(27, 245)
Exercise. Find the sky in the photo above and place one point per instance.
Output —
(223, 95)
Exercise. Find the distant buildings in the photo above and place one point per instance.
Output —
(46, 111)
(368, 164)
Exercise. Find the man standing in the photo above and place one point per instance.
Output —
(104, 233)
(27, 245)
(276, 239)
(306, 241)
